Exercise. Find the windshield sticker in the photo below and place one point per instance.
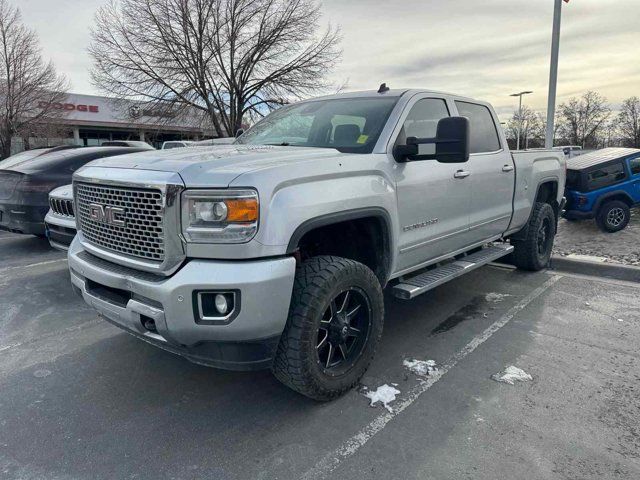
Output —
(363, 139)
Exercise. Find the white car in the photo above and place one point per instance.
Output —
(60, 221)
(214, 141)
(176, 144)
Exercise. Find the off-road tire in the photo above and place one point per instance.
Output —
(609, 208)
(318, 281)
(527, 254)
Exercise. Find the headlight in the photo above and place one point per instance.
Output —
(219, 216)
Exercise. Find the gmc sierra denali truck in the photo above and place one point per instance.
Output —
(273, 252)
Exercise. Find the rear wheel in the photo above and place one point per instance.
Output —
(334, 325)
(534, 251)
(613, 216)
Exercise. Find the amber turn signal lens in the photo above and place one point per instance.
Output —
(242, 210)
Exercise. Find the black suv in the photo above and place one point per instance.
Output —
(25, 183)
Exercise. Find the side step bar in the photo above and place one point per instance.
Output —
(411, 287)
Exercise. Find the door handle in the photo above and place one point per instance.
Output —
(507, 168)
(461, 174)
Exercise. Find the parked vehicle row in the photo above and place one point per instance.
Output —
(273, 252)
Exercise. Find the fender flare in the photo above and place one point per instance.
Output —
(602, 199)
(522, 233)
(343, 216)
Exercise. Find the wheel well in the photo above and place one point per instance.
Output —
(365, 240)
(548, 193)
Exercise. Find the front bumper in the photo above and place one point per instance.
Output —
(60, 230)
(23, 218)
(247, 342)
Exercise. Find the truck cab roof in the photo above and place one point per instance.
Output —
(395, 92)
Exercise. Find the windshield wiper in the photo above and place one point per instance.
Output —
(283, 144)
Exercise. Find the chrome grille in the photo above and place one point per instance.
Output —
(142, 234)
(62, 206)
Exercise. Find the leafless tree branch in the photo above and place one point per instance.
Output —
(29, 87)
(232, 59)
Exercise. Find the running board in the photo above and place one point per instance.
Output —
(411, 287)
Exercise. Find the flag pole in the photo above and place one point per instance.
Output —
(553, 74)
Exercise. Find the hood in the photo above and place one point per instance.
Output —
(66, 191)
(216, 166)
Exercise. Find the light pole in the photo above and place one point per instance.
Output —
(553, 73)
(520, 114)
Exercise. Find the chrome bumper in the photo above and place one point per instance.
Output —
(58, 226)
(265, 286)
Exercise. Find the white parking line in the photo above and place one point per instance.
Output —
(39, 264)
(331, 461)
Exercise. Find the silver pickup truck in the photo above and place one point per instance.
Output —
(273, 252)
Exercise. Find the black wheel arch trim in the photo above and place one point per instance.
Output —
(609, 196)
(343, 216)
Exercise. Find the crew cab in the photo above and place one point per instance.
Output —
(273, 252)
(603, 185)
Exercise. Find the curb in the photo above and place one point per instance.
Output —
(596, 269)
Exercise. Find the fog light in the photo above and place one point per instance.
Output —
(221, 304)
(215, 306)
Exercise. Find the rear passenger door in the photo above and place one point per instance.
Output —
(492, 174)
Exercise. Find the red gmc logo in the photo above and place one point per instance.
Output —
(70, 107)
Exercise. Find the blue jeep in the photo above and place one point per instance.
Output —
(604, 185)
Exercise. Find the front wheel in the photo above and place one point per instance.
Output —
(613, 216)
(334, 325)
(534, 251)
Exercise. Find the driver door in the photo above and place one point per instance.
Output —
(433, 197)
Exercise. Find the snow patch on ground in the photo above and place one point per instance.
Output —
(421, 367)
(384, 394)
(588, 258)
(494, 297)
(511, 375)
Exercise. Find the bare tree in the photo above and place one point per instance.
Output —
(229, 58)
(29, 87)
(628, 122)
(531, 126)
(582, 119)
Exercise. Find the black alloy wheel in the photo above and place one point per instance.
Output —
(343, 331)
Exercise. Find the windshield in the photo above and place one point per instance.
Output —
(349, 125)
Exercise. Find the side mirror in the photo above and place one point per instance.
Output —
(239, 132)
(451, 142)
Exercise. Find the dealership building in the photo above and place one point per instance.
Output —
(90, 120)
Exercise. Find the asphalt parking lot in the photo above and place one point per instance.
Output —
(79, 399)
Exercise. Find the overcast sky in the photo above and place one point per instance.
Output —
(479, 48)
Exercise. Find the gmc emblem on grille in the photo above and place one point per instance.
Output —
(107, 214)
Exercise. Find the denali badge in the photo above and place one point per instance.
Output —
(107, 214)
(424, 224)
